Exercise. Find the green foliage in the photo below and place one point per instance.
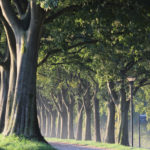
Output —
(122, 48)
(47, 4)
(20, 143)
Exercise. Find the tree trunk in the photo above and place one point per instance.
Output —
(47, 123)
(12, 72)
(88, 109)
(123, 137)
(39, 112)
(58, 125)
(110, 128)
(80, 122)
(53, 123)
(3, 94)
(69, 103)
(96, 119)
(61, 109)
(70, 122)
(43, 122)
(64, 126)
(88, 124)
(23, 117)
(41, 118)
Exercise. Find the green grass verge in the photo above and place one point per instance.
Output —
(20, 143)
(94, 144)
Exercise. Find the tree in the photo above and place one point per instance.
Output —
(24, 43)
(4, 76)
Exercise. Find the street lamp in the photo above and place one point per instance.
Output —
(131, 81)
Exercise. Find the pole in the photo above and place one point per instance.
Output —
(139, 133)
(131, 94)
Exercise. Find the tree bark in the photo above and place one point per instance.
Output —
(69, 104)
(4, 73)
(12, 72)
(88, 124)
(64, 126)
(96, 119)
(122, 106)
(43, 127)
(87, 98)
(80, 121)
(58, 125)
(70, 123)
(61, 108)
(123, 137)
(24, 114)
(110, 127)
(47, 123)
(53, 123)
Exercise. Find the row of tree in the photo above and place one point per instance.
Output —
(109, 40)
(66, 96)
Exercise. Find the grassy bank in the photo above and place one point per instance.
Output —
(18, 143)
(94, 144)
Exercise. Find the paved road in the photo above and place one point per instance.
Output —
(62, 146)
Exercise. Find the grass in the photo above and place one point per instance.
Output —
(20, 143)
(94, 144)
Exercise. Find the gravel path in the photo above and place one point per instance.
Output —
(62, 146)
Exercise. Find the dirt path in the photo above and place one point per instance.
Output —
(62, 146)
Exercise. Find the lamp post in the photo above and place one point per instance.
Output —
(131, 82)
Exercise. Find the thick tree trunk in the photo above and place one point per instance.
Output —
(96, 119)
(110, 128)
(53, 123)
(122, 107)
(70, 122)
(80, 122)
(123, 137)
(88, 124)
(12, 72)
(24, 112)
(3, 95)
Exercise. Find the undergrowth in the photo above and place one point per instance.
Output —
(20, 143)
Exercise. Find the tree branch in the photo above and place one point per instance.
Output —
(61, 12)
(112, 92)
(63, 93)
(141, 83)
(55, 51)
(9, 15)
(10, 36)
(57, 106)
(19, 7)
